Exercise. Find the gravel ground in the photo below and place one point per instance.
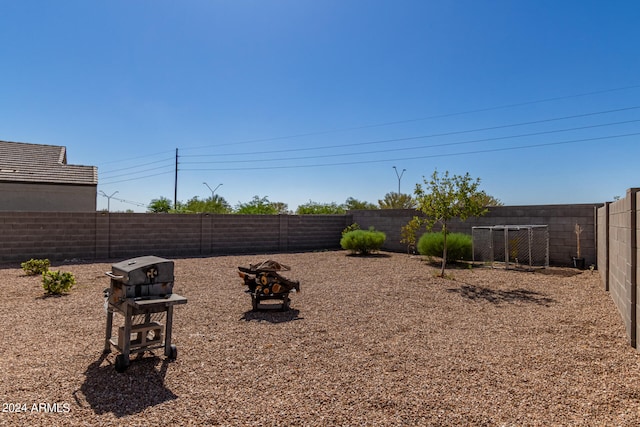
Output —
(369, 341)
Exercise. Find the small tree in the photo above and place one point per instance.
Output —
(160, 205)
(312, 207)
(408, 235)
(397, 201)
(260, 206)
(446, 197)
(214, 204)
(353, 204)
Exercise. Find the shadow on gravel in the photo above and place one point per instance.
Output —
(139, 387)
(476, 293)
(560, 272)
(271, 316)
(369, 255)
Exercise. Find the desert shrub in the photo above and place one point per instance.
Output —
(459, 246)
(351, 227)
(35, 266)
(57, 282)
(363, 241)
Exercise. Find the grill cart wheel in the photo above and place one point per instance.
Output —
(121, 363)
(173, 352)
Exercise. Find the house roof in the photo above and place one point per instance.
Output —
(37, 163)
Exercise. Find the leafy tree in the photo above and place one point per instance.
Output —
(353, 204)
(316, 208)
(446, 197)
(282, 208)
(408, 235)
(160, 205)
(397, 201)
(487, 200)
(260, 206)
(215, 204)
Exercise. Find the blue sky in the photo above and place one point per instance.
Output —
(304, 100)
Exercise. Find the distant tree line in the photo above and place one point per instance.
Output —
(263, 206)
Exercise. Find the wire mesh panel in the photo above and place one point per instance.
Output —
(511, 245)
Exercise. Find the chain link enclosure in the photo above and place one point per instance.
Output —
(516, 246)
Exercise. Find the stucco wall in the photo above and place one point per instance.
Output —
(29, 197)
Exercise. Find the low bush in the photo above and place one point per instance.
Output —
(459, 246)
(351, 227)
(35, 266)
(57, 282)
(363, 241)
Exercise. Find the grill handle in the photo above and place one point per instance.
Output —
(113, 276)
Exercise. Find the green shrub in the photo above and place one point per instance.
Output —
(57, 282)
(363, 241)
(351, 227)
(35, 266)
(459, 246)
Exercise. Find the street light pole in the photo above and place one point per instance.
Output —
(399, 176)
(108, 199)
(212, 191)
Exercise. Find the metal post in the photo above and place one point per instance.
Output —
(399, 176)
(213, 192)
(108, 199)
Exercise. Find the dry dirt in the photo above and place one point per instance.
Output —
(369, 341)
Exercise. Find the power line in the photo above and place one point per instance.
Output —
(435, 135)
(426, 156)
(421, 147)
(135, 171)
(437, 116)
(506, 106)
(142, 205)
(137, 178)
(137, 166)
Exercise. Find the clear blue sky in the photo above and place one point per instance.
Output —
(317, 100)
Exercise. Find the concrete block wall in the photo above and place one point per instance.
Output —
(101, 235)
(57, 235)
(312, 232)
(618, 259)
(132, 235)
(602, 242)
(561, 220)
(620, 267)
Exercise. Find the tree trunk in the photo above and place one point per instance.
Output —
(444, 250)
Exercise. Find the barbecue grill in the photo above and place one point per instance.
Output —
(264, 283)
(141, 290)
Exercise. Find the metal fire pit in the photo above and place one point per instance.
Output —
(264, 284)
(142, 292)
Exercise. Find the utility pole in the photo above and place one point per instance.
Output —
(175, 187)
(399, 176)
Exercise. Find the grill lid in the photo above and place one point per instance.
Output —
(143, 270)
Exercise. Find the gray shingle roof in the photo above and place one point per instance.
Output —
(22, 162)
